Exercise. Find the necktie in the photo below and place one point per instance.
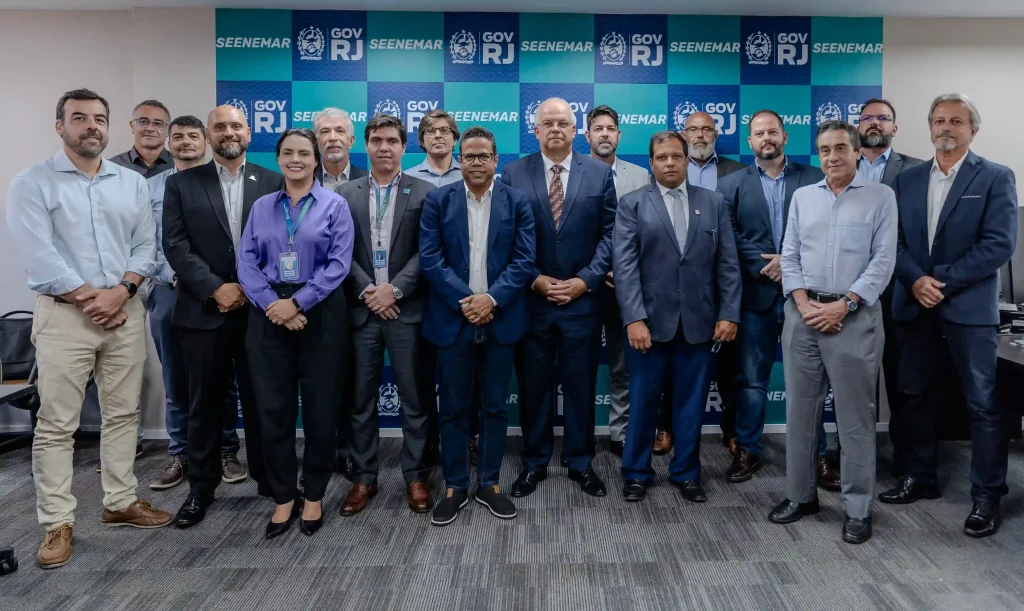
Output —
(555, 193)
(679, 214)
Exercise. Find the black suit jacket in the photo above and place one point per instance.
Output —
(403, 253)
(353, 173)
(727, 166)
(896, 164)
(197, 237)
(751, 224)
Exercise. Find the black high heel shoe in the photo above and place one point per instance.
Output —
(309, 527)
(276, 529)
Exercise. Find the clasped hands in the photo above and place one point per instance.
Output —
(560, 292)
(823, 317)
(104, 306)
(284, 312)
(478, 309)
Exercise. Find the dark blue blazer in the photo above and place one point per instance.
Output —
(975, 236)
(656, 282)
(582, 244)
(751, 222)
(444, 261)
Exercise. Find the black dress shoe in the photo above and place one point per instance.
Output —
(527, 482)
(856, 530)
(983, 521)
(908, 491)
(692, 491)
(276, 529)
(744, 465)
(788, 512)
(589, 482)
(635, 490)
(193, 510)
(616, 447)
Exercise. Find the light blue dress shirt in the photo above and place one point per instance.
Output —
(70, 230)
(872, 171)
(423, 171)
(840, 244)
(164, 274)
(706, 176)
(775, 196)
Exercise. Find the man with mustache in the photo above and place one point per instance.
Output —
(149, 127)
(603, 135)
(879, 163)
(61, 213)
(758, 199)
(187, 144)
(838, 255)
(205, 210)
(958, 226)
(335, 136)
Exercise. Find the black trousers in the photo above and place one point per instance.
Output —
(282, 361)
(898, 432)
(213, 360)
(726, 369)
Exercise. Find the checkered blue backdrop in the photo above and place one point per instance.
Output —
(492, 69)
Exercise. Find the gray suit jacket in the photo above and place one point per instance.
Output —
(630, 177)
(896, 164)
(403, 255)
(656, 282)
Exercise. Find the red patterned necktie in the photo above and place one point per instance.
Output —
(555, 193)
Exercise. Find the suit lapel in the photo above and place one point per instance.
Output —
(460, 213)
(498, 210)
(964, 176)
(892, 168)
(658, 202)
(213, 190)
(694, 201)
(755, 194)
(571, 189)
(250, 191)
(362, 207)
(401, 203)
(792, 179)
(540, 186)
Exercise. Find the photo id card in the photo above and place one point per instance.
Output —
(289, 267)
(380, 258)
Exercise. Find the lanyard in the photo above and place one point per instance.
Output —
(294, 226)
(382, 210)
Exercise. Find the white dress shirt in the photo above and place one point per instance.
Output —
(233, 190)
(380, 238)
(938, 188)
(548, 176)
(479, 216)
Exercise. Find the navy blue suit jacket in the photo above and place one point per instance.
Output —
(581, 245)
(975, 236)
(752, 226)
(445, 261)
(655, 282)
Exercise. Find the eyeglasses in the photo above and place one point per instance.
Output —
(156, 123)
(872, 118)
(705, 130)
(472, 158)
(444, 131)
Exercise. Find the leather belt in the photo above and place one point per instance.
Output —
(61, 300)
(823, 297)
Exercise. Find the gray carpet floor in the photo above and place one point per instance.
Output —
(565, 550)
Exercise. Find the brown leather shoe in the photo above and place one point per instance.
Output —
(420, 500)
(356, 499)
(56, 548)
(827, 476)
(662, 442)
(139, 514)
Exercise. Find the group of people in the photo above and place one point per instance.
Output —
(268, 288)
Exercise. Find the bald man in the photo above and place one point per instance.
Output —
(205, 210)
(573, 199)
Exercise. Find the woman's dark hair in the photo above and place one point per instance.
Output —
(303, 132)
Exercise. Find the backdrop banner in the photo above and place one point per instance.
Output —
(493, 69)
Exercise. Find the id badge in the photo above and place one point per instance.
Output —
(380, 258)
(289, 266)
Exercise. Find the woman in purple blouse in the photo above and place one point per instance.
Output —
(295, 252)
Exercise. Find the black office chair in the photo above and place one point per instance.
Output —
(18, 371)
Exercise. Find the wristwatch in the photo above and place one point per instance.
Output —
(296, 302)
(397, 292)
(131, 286)
(851, 305)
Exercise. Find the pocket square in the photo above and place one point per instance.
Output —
(971, 197)
(252, 177)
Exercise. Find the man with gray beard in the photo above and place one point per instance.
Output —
(705, 167)
(880, 164)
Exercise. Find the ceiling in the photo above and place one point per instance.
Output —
(850, 8)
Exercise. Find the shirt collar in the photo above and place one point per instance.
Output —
(373, 181)
(712, 159)
(164, 156)
(487, 195)
(223, 171)
(880, 160)
(62, 163)
(345, 172)
(429, 169)
(761, 171)
(858, 181)
(953, 170)
(282, 195)
(664, 190)
(548, 164)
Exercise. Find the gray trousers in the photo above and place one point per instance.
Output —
(618, 383)
(849, 360)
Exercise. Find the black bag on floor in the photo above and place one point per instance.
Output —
(17, 354)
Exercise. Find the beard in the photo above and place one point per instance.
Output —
(81, 148)
(189, 155)
(334, 157)
(876, 140)
(774, 153)
(230, 149)
(701, 152)
(604, 150)
(945, 142)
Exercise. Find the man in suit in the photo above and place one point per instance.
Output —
(677, 280)
(758, 200)
(205, 211)
(335, 136)
(573, 199)
(705, 168)
(385, 296)
(603, 135)
(477, 250)
(958, 226)
(879, 163)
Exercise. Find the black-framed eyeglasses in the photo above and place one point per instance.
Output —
(693, 129)
(145, 122)
(872, 118)
(471, 158)
(444, 131)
